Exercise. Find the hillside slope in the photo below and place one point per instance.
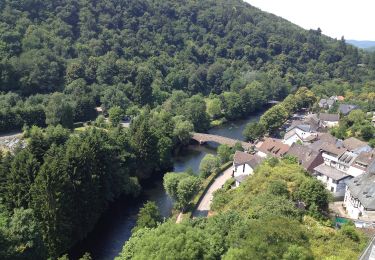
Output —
(196, 46)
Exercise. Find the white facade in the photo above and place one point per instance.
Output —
(353, 206)
(299, 135)
(243, 169)
(335, 187)
(355, 209)
(329, 124)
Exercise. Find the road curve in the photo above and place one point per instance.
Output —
(205, 204)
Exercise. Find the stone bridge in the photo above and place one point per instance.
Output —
(204, 138)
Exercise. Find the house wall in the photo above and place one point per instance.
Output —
(351, 205)
(337, 189)
(330, 124)
(243, 169)
(329, 160)
(291, 140)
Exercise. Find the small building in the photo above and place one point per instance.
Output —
(322, 140)
(272, 147)
(308, 158)
(329, 120)
(244, 165)
(356, 146)
(334, 180)
(361, 163)
(327, 103)
(299, 133)
(331, 153)
(359, 200)
(345, 109)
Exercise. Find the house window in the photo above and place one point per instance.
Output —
(332, 189)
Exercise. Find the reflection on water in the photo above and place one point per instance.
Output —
(114, 228)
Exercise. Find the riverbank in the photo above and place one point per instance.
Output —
(114, 228)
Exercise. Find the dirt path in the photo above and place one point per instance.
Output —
(205, 204)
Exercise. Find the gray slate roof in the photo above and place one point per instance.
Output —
(363, 189)
(331, 172)
(346, 108)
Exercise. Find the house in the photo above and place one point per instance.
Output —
(327, 103)
(345, 109)
(334, 180)
(244, 165)
(272, 147)
(329, 120)
(331, 153)
(356, 146)
(299, 133)
(361, 163)
(308, 158)
(359, 200)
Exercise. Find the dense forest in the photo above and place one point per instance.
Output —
(131, 53)
(174, 67)
(258, 220)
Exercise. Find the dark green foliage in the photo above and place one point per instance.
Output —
(68, 181)
(127, 53)
(181, 187)
(148, 216)
(313, 193)
(253, 131)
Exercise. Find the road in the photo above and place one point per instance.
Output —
(205, 204)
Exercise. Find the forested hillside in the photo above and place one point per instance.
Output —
(174, 67)
(130, 53)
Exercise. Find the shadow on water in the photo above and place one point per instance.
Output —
(114, 227)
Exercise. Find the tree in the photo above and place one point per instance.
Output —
(24, 169)
(254, 131)
(143, 90)
(181, 187)
(208, 165)
(194, 110)
(312, 192)
(367, 132)
(356, 116)
(186, 189)
(214, 108)
(145, 144)
(25, 235)
(116, 115)
(224, 152)
(148, 216)
(182, 131)
(274, 118)
(59, 111)
(52, 203)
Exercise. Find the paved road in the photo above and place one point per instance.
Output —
(205, 204)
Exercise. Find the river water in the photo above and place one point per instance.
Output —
(114, 227)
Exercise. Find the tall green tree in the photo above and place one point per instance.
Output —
(148, 216)
(59, 111)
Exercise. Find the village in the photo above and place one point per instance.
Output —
(346, 167)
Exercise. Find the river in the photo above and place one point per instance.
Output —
(114, 227)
